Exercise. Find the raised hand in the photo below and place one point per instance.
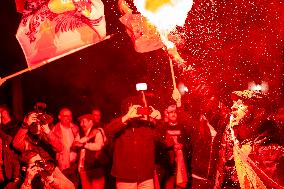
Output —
(177, 97)
(32, 118)
(155, 114)
(84, 140)
(132, 113)
(31, 172)
(45, 128)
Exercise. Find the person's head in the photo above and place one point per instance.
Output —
(97, 115)
(130, 101)
(5, 114)
(45, 165)
(239, 110)
(29, 157)
(86, 121)
(65, 117)
(171, 114)
(248, 113)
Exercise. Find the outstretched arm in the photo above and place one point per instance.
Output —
(117, 124)
(51, 138)
(97, 144)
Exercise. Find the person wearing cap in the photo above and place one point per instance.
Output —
(90, 142)
(134, 137)
(252, 156)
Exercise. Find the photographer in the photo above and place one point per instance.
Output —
(134, 139)
(36, 135)
(41, 173)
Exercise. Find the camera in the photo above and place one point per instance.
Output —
(47, 167)
(144, 110)
(42, 116)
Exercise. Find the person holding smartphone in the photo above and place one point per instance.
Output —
(134, 137)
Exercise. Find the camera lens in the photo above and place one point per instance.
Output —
(33, 128)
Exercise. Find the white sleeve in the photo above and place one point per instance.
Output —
(97, 145)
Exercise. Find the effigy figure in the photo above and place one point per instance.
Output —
(252, 155)
(143, 33)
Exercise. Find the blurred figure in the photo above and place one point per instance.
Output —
(279, 119)
(208, 127)
(66, 130)
(97, 115)
(7, 124)
(109, 180)
(9, 163)
(90, 142)
(134, 136)
(41, 173)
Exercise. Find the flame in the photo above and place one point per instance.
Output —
(154, 5)
(165, 15)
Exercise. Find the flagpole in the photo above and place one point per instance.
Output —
(2, 80)
(30, 68)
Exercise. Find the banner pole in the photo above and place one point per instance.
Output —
(30, 68)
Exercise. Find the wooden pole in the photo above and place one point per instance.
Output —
(30, 68)
(144, 99)
(2, 80)
(173, 74)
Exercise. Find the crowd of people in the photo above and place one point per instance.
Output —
(241, 148)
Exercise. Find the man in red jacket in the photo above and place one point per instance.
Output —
(134, 136)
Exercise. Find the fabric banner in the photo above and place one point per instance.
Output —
(144, 36)
(51, 29)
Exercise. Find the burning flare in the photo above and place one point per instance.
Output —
(165, 15)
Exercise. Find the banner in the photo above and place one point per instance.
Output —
(51, 29)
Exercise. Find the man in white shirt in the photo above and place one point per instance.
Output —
(67, 131)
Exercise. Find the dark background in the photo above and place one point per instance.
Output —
(229, 44)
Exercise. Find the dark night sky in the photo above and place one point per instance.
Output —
(229, 43)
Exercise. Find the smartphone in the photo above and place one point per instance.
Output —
(141, 86)
(144, 110)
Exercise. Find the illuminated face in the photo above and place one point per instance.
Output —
(239, 110)
(171, 114)
(97, 115)
(65, 117)
(4, 115)
(86, 124)
(34, 159)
